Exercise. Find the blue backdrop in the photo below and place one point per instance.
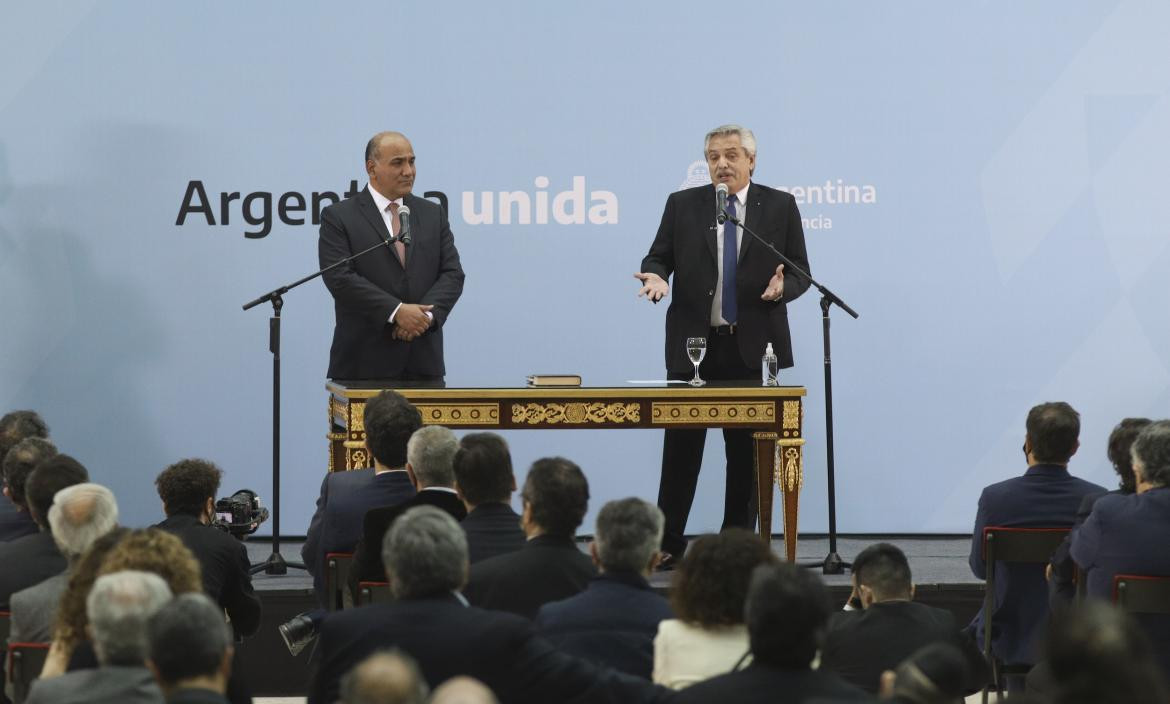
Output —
(1004, 234)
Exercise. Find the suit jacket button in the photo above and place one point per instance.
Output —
(711, 292)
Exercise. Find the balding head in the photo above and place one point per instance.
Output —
(390, 164)
(373, 147)
(463, 690)
(81, 514)
(384, 678)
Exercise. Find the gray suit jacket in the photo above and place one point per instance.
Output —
(105, 685)
(34, 609)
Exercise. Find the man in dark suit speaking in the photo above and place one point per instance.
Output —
(731, 290)
(391, 303)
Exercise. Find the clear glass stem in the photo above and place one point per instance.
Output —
(696, 381)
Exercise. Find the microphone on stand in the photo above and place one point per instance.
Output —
(720, 203)
(404, 222)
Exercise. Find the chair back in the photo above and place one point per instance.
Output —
(374, 593)
(1011, 545)
(5, 627)
(337, 565)
(25, 662)
(1142, 594)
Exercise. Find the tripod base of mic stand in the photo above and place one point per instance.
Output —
(832, 564)
(275, 565)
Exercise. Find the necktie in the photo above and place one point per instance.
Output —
(395, 227)
(730, 258)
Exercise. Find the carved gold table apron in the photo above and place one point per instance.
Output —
(775, 413)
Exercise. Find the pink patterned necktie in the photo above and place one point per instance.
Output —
(395, 227)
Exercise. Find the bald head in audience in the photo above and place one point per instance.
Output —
(390, 677)
(79, 515)
(463, 690)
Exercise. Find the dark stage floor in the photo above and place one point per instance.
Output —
(939, 564)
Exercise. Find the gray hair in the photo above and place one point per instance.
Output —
(425, 553)
(746, 137)
(431, 454)
(629, 532)
(81, 514)
(1151, 450)
(188, 638)
(388, 677)
(119, 606)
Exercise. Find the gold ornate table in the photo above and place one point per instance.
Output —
(775, 413)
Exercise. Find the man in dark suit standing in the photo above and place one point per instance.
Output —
(1045, 496)
(390, 304)
(425, 553)
(485, 482)
(336, 526)
(614, 621)
(732, 291)
(188, 489)
(786, 611)
(429, 456)
(1128, 533)
(885, 626)
(549, 566)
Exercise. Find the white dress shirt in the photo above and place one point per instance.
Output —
(741, 215)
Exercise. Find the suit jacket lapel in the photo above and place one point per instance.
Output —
(370, 211)
(706, 219)
(754, 214)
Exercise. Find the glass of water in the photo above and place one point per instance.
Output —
(696, 349)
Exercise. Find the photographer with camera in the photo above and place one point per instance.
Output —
(187, 489)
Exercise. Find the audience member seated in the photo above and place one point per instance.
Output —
(934, 674)
(463, 690)
(1130, 533)
(190, 650)
(16, 427)
(1097, 655)
(485, 482)
(425, 553)
(80, 514)
(889, 626)
(1046, 495)
(1062, 571)
(787, 610)
(429, 457)
(345, 497)
(613, 622)
(147, 550)
(118, 608)
(708, 636)
(18, 464)
(34, 558)
(188, 489)
(385, 678)
(549, 566)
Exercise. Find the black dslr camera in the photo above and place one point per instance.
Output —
(240, 514)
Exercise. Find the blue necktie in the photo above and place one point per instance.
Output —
(730, 257)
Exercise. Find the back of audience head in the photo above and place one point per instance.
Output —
(389, 677)
(1099, 656)
(1053, 430)
(1120, 444)
(19, 463)
(190, 644)
(189, 487)
(711, 583)
(16, 426)
(1151, 456)
(627, 537)
(463, 690)
(390, 420)
(425, 553)
(556, 497)
(787, 610)
(49, 477)
(483, 469)
(934, 674)
(81, 514)
(881, 572)
(118, 608)
(430, 454)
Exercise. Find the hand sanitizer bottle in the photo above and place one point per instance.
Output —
(769, 367)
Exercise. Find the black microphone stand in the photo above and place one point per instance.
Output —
(832, 564)
(276, 564)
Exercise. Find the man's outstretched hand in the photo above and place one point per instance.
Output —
(653, 287)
